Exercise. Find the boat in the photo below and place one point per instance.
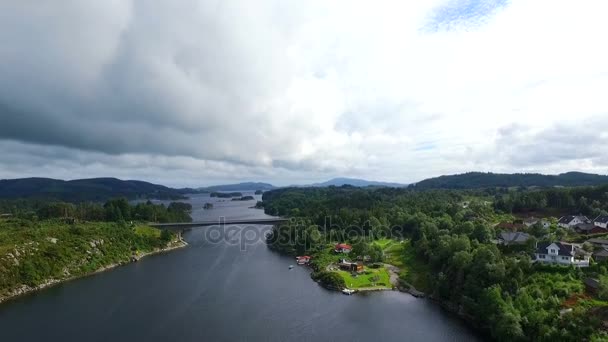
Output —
(290, 266)
(348, 292)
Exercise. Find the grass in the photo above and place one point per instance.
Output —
(370, 278)
(402, 255)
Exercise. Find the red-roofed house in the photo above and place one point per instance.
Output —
(303, 260)
(343, 248)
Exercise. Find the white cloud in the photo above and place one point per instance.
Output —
(297, 91)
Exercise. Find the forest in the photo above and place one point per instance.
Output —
(454, 254)
(47, 241)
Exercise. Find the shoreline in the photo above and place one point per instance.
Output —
(25, 289)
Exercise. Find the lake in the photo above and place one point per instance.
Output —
(220, 291)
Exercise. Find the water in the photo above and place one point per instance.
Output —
(220, 292)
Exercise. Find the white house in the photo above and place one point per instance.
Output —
(572, 220)
(561, 253)
(601, 221)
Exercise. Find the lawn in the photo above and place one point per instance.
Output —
(377, 278)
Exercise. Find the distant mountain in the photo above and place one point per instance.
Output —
(473, 180)
(247, 186)
(357, 182)
(93, 189)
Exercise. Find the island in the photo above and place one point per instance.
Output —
(244, 198)
(225, 194)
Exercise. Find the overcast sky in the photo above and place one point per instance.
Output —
(189, 93)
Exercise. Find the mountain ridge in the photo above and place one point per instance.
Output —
(476, 180)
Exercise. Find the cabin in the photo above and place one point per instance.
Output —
(351, 266)
(571, 221)
(303, 260)
(601, 221)
(512, 238)
(343, 248)
(561, 253)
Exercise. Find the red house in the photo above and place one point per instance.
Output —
(343, 248)
(303, 260)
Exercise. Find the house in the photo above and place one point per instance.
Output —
(600, 255)
(303, 260)
(598, 243)
(584, 228)
(592, 285)
(571, 221)
(512, 238)
(343, 248)
(351, 266)
(5, 216)
(561, 253)
(601, 221)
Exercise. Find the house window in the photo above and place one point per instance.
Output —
(541, 256)
(564, 258)
(552, 251)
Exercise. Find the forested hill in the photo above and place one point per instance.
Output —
(475, 180)
(94, 189)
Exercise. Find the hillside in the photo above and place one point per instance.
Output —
(357, 182)
(247, 186)
(473, 180)
(94, 189)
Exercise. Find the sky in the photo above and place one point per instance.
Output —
(201, 92)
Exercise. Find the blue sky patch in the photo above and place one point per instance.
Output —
(458, 14)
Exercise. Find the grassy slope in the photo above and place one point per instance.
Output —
(28, 255)
(402, 255)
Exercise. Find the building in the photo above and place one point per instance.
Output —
(343, 248)
(601, 221)
(513, 238)
(572, 220)
(600, 255)
(561, 253)
(592, 286)
(351, 266)
(303, 260)
(598, 243)
(584, 228)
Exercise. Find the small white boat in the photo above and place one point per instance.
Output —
(290, 266)
(348, 292)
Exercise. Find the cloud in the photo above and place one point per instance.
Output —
(211, 91)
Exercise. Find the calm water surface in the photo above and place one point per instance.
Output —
(220, 292)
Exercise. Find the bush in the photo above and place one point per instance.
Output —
(330, 280)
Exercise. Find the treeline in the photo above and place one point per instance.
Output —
(114, 210)
(500, 291)
(592, 201)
